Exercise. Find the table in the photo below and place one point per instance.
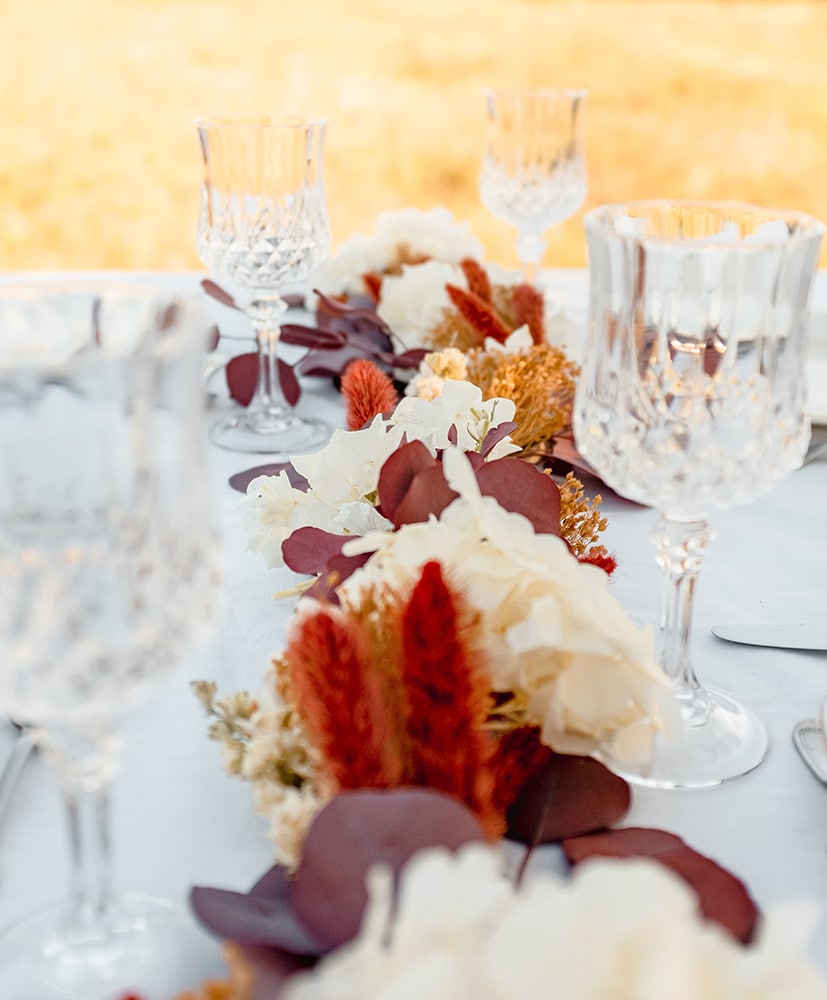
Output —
(179, 821)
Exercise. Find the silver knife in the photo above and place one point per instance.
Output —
(804, 636)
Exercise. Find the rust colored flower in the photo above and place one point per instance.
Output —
(528, 309)
(373, 284)
(477, 278)
(343, 703)
(366, 390)
(448, 696)
(480, 315)
(600, 556)
(518, 756)
(393, 692)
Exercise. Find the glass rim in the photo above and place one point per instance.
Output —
(598, 219)
(263, 122)
(569, 92)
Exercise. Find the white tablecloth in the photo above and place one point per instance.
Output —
(178, 820)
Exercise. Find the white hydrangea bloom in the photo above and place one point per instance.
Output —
(344, 475)
(628, 930)
(555, 635)
(430, 233)
(415, 300)
(274, 510)
(434, 233)
(459, 405)
(516, 343)
(347, 469)
(342, 273)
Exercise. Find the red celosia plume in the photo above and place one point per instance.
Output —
(342, 702)
(404, 703)
(480, 315)
(477, 277)
(527, 303)
(448, 696)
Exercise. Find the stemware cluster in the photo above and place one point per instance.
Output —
(263, 226)
(692, 400)
(533, 172)
(108, 574)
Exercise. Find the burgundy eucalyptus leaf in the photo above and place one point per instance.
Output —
(352, 310)
(253, 920)
(567, 796)
(215, 292)
(294, 300)
(338, 569)
(521, 488)
(412, 358)
(397, 474)
(241, 373)
(241, 480)
(312, 336)
(308, 549)
(428, 493)
(565, 450)
(495, 435)
(722, 897)
(289, 383)
(324, 363)
(355, 831)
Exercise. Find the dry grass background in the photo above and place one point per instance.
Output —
(100, 167)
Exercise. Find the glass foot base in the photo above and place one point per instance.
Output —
(280, 437)
(732, 742)
(155, 951)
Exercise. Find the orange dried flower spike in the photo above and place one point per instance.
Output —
(480, 315)
(392, 692)
(477, 278)
(529, 310)
(366, 390)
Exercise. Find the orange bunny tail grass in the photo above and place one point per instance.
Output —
(367, 390)
(341, 701)
(527, 303)
(448, 698)
(519, 754)
(480, 315)
(477, 278)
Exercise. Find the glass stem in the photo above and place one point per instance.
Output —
(84, 767)
(530, 250)
(266, 314)
(680, 547)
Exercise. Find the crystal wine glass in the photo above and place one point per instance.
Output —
(533, 171)
(263, 225)
(691, 400)
(108, 576)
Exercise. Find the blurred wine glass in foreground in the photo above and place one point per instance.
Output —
(692, 400)
(262, 226)
(108, 577)
(533, 170)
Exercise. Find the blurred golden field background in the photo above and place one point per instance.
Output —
(100, 166)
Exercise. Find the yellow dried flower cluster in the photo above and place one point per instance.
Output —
(239, 986)
(454, 331)
(580, 521)
(540, 381)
